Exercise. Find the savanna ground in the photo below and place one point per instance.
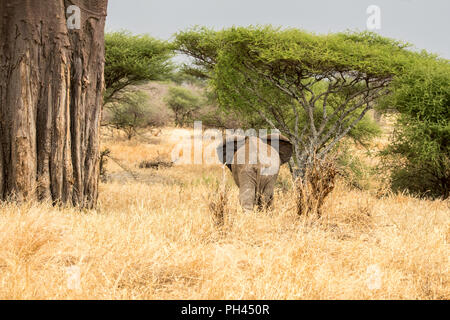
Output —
(153, 237)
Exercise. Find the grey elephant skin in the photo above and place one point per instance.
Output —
(255, 163)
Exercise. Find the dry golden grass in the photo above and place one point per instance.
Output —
(155, 238)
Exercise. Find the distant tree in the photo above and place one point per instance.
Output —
(131, 112)
(419, 153)
(315, 89)
(134, 59)
(183, 102)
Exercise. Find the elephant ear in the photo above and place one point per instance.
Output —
(284, 146)
(227, 149)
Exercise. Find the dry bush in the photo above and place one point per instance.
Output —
(218, 206)
(155, 164)
(313, 188)
(219, 203)
(103, 161)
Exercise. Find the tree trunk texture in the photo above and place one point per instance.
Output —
(51, 91)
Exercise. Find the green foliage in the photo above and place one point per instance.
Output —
(216, 117)
(183, 102)
(213, 116)
(356, 173)
(419, 154)
(131, 112)
(366, 130)
(133, 59)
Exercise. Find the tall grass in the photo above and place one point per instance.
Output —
(156, 239)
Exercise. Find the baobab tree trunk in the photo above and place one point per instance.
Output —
(51, 91)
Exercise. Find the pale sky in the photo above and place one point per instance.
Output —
(424, 23)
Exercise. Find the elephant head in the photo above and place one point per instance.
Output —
(254, 163)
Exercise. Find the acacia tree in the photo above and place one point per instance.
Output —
(183, 103)
(131, 112)
(315, 89)
(132, 60)
(51, 92)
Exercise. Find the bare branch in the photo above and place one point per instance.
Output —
(344, 132)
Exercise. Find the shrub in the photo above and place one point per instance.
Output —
(131, 112)
(314, 186)
(419, 153)
(183, 102)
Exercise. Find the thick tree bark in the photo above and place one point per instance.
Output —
(51, 84)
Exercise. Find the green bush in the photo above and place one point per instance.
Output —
(184, 103)
(419, 154)
(131, 112)
(354, 170)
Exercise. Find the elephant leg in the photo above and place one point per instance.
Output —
(247, 196)
(247, 190)
(265, 199)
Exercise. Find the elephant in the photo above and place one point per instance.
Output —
(254, 163)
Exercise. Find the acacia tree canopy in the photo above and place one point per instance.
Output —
(315, 89)
(133, 59)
